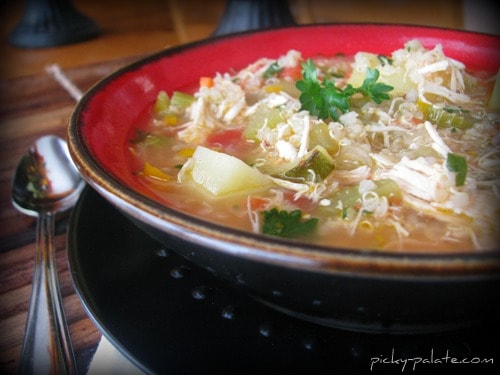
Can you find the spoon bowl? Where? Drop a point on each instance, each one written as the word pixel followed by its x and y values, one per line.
pixel 45 184
pixel 46 179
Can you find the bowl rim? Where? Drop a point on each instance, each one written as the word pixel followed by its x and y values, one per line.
pixel 254 245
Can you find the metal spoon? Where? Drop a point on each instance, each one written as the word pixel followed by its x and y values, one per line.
pixel 46 183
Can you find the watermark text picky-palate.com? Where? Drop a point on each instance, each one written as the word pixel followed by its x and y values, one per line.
pixel 433 358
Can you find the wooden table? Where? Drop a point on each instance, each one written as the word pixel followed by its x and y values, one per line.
pixel 30 107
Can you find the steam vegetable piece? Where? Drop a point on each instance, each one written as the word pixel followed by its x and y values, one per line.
pixel 223 174
pixel 263 116
pixel 181 100
pixel 162 103
pixel 320 136
pixel 315 166
pixel 351 196
pixel 494 102
pixel 447 116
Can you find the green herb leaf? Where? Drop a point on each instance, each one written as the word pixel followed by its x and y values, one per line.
pixel 376 91
pixel 451 109
pixel 147 139
pixel 325 100
pixel 458 164
pixel 273 70
pixel 287 224
pixel 384 60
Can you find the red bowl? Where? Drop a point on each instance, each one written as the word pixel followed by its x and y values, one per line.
pixel 353 289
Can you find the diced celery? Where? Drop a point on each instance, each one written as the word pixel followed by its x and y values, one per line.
pixel 262 117
pixel 351 197
pixel 494 102
pixel 315 166
pixel 450 117
pixel 352 156
pixel 345 198
pixel 445 116
pixel 423 151
pixel 181 100
pixel 320 135
pixel 162 103
pixel 389 189
pixel 223 174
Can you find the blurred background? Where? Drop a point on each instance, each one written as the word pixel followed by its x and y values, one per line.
pixel 138 27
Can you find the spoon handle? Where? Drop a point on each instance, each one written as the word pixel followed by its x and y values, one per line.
pixel 47 344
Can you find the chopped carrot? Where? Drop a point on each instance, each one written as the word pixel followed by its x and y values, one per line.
pixel 206 82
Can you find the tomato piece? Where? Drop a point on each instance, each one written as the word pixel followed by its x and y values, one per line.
pixel 302 203
pixel 292 73
pixel 258 203
pixel 224 138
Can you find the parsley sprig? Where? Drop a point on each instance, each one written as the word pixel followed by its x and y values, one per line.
pixel 287 224
pixel 458 164
pixel 325 100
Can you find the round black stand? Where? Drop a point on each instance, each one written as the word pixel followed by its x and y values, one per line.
pixel 48 23
pixel 243 15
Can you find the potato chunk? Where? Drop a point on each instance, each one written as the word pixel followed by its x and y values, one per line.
pixel 223 174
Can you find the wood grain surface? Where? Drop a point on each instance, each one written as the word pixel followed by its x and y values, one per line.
pixel 30 107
